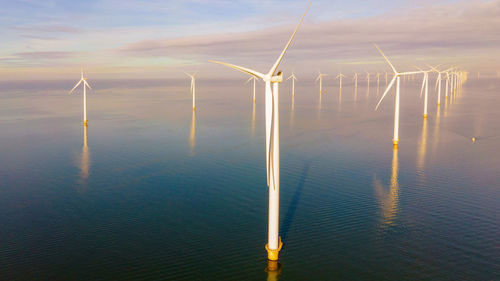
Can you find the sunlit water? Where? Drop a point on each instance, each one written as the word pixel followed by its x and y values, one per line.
pixel 151 190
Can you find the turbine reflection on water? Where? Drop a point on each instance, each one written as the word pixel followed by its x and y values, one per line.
pixel 192 134
pixel 389 201
pixel 84 160
pixel 422 148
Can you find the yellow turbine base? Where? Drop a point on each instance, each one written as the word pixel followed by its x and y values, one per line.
pixel 85 123
pixel 439 103
pixel 446 97
pixel 194 108
pixel 425 115
pixel 395 143
pixel 272 255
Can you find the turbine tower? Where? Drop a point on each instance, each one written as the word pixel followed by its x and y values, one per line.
pixel 425 83
pixel 320 79
pixel 254 82
pixel 272 80
pixel 85 85
pixel 294 78
pixel 438 82
pixel 340 76
pixel 193 88
pixel 397 77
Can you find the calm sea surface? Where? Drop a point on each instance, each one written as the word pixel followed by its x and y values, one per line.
pixel 151 191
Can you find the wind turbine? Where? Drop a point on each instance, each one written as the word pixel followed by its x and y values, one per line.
pixel 85 85
pixel 294 78
pixel 272 142
pixel 397 77
pixel 254 81
pixel 378 80
pixel 438 83
pixel 447 83
pixel 340 76
pixel 193 87
pixel 320 79
pixel 425 83
pixel 355 78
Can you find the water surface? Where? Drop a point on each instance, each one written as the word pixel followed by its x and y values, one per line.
pixel 151 190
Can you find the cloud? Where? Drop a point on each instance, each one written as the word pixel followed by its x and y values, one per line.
pixel 457 31
pixel 450 32
pixel 47 29
pixel 45 55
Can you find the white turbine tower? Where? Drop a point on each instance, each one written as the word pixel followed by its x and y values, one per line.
pixel 294 78
pixel 438 82
pixel 320 79
pixel 397 77
pixel 193 88
pixel 85 85
pixel 271 78
pixel 355 79
pixel 340 76
pixel 254 82
pixel 425 84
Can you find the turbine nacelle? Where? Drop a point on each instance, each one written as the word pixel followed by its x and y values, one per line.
pixel 278 78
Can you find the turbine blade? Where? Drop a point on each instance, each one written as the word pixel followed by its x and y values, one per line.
pixel 411 72
pixel 85 81
pixel 433 68
pixel 386 91
pixel 189 75
pixel 77 84
pixel 418 68
pixel 249 79
pixel 386 59
pixel 423 84
pixel 242 69
pixel 280 58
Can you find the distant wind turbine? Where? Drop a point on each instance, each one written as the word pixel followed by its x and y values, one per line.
pixel 193 88
pixel 254 82
pixel 294 78
pixel 85 85
pixel 355 78
pixel 425 84
pixel 438 83
pixel 272 142
pixel 320 79
pixel 340 76
pixel 397 77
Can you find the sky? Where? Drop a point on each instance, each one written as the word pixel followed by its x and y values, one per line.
pixel 155 39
